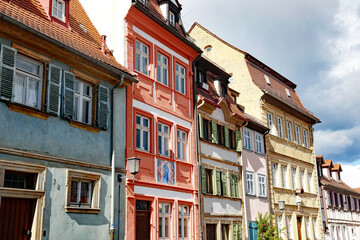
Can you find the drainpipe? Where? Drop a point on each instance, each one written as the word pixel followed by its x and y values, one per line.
pixel 112 159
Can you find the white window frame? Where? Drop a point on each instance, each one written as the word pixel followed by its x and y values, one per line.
pixel 302 179
pixel 171 18
pixel 297 134
pixel 284 176
pixel 247 139
pixel 182 217
pixel 289 227
pixel 289 131
pixel 280 127
pixel 181 145
pixel 143 129
pixel 165 138
pixel 314 227
pixel 141 56
pixel 279 224
pixel 79 183
pixel 162 217
pixel 306 143
pixel 27 78
pixel 262 185
pixel 162 67
pixel 62 11
pixel 293 177
pixel 307 226
pixel 79 98
pixel 310 185
pixel 250 183
pixel 270 121
pixel 274 169
pixel 258 143
pixel 180 78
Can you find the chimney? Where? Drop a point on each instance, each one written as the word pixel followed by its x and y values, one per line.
pixel 103 44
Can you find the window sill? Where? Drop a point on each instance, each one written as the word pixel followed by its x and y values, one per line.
pixel 220 196
pixel 250 195
pixel 69 209
pixel 84 126
pixel 28 111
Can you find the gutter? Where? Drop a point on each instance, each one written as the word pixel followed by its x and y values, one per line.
pixel 66 47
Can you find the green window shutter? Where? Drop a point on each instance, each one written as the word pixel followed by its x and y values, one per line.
pixel 224 181
pixel 226 136
pixel 53 89
pixel 214 135
pixel 232 185
pixel 103 106
pixel 69 95
pixel 234 231
pixel 7 72
pixel 236 186
pixel 201 126
pixel 239 234
pixel 238 141
pixel 218 183
pixel 203 180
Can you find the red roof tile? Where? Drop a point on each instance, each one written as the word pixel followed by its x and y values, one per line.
pixel 338 184
pixel 32 14
pixel 337 167
pixel 328 163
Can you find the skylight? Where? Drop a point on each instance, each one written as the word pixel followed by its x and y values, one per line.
pixel 287 92
pixel 267 79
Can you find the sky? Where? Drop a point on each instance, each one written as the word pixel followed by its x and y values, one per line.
pixel 315 44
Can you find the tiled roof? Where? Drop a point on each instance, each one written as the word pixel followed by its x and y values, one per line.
pixel 328 163
pixel 337 167
pixel 88 41
pixel 338 184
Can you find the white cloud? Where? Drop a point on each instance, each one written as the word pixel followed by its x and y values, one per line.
pixel 350 175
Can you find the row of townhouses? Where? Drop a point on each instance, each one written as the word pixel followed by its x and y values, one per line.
pixel 183 136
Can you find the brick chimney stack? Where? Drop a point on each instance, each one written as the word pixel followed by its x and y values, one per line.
pixel 103 44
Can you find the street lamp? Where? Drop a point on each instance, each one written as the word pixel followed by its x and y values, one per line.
pixel 133 168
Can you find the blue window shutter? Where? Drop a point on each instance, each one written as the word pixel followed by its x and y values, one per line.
pixel 103 106
pixel 7 72
pixel 69 96
pixel 53 89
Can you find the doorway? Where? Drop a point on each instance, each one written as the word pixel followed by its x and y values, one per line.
pixel 16 218
pixel 299 227
pixel 142 220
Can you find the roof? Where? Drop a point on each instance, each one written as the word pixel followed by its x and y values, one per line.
pixel 84 39
pixel 338 185
pixel 337 167
pixel 328 163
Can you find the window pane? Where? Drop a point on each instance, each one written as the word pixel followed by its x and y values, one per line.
pixel 19 89
pixel 138 145
pixel 167 227
pixel 138 120
pixel 145 122
pixel 165 76
pixel 76 108
pixel 145 140
pixel 138 62
pixel 86 112
pixel 160 227
pixel 74 189
pixel 33 93
pixel 166 146
pixel 85 188
pixel 160 144
pixel 28 66
pixel 185 227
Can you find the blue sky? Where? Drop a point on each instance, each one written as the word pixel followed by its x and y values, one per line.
pixel 315 44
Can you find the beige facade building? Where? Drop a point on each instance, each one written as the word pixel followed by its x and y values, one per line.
pixel 271 98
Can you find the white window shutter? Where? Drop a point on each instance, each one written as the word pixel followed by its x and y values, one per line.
pixel 7 72
pixel 53 89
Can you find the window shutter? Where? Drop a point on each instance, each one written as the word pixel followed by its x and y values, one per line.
pixel 236 186
pixel 234 231
pixel 53 89
pixel 224 181
pixel 103 107
pixel 201 126
pixel 69 95
pixel 239 231
pixel 214 132
pixel 7 72
pixel 226 136
pixel 232 185
pixel 203 180
pixel 218 183
pixel 238 141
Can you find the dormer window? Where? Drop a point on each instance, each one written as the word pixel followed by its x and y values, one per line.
pixel 267 79
pixel 58 9
pixel 171 18
pixel 142 1
pixel 223 90
pixel 287 92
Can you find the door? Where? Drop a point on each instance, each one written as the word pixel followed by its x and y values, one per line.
pixel 210 231
pixel 142 220
pixel 299 227
pixel 252 231
pixel 16 218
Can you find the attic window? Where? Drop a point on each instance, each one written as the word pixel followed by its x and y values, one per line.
pixel 208 48
pixel 142 1
pixel 83 28
pixel 287 92
pixel 58 9
pixel 267 79
pixel 171 18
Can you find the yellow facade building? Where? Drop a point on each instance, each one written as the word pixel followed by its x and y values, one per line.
pixel 272 99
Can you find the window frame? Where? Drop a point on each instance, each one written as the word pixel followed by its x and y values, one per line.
pixel 209 178
pixel 250 183
pixel 289 226
pixel 163 136
pixel 280 129
pixel 247 139
pixel 258 143
pixel 297 134
pixel 81 98
pixel 172 19
pixel 262 184
pixel 270 121
pixel 181 220
pixel 185 145
pixel 274 169
pixel 162 217
pixel 142 55
pixel 289 131
pixel 302 179
pixel 310 185
pixel 179 75
pixel 306 140
pixel 160 64
pixel 293 178
pixel 54 2
pixel 142 129
pixel 284 176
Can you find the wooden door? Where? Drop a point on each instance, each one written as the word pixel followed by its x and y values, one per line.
pixel 210 231
pixel 142 220
pixel 16 218
pixel 299 227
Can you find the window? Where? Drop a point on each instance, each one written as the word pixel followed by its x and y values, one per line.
pixel 142 133
pixel 274 174
pixel 22 180
pixel 328 198
pixel 221 183
pixel 234 187
pixel 293 178
pixel 314 221
pixel 225 231
pixel 284 176
pixel 267 79
pixel 289 227
pixel 220 135
pixel 297 134
pixel 302 179
pixel 209 181
pixel 287 92
pixel 83 192
pixel 258 143
pixel 82 102
pixel 163 139
pixel 310 182
pixel 279 224
pixel 307 227
pixel 206 129
pixel 180 79
pixel 181 144
pixel 223 90
pixel 171 18
pixel 247 139
pixel 231 139
pixel 28 82
pixel 305 139
pixel 164 220
pixel 289 131
pixel 250 188
pixel 142 58
pixel 202 78
pixel 280 127
pixel 184 221
pixel 262 185
pixel 58 9
pixel 163 69
pixel 270 121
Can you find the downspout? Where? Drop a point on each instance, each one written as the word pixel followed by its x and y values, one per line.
pixel 243 191
pixel 267 169
pixel 112 159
